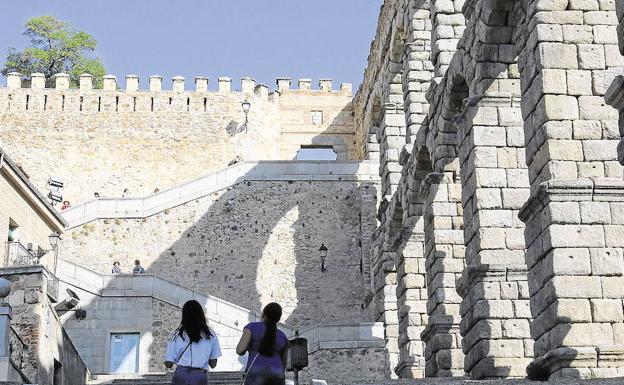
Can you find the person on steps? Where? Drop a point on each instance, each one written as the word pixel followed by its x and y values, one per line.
pixel 116 268
pixel 138 269
pixel 193 347
pixel 267 347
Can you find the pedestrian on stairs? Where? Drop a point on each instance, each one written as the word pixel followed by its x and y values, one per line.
pixel 192 347
pixel 267 347
pixel 138 269
pixel 116 268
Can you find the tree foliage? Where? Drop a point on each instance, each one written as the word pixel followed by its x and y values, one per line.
pixel 55 47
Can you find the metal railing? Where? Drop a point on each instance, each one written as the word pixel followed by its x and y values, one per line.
pixel 18 255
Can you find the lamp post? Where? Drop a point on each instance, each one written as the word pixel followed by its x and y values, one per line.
pixel 54 238
pixel 246 107
pixel 323 254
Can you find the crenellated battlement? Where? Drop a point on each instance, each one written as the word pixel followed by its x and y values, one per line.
pixel 248 85
pixel 152 97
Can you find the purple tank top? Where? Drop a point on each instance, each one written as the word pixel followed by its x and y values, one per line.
pixel 274 361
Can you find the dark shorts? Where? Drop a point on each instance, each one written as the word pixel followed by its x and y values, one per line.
pixel 189 376
pixel 265 376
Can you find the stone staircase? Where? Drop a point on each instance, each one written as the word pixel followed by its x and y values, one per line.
pixel 214 378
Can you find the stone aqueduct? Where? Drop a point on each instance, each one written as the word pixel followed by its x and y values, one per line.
pixel 501 237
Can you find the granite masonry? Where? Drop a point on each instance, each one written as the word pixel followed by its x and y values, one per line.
pixel 499 250
pixel 474 215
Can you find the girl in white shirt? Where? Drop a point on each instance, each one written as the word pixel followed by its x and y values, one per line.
pixel 193 347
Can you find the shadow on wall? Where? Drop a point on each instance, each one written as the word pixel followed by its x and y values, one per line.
pixel 253 243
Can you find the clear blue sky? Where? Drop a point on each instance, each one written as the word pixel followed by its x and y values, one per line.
pixel 263 39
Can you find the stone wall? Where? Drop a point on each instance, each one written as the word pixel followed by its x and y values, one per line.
pixel 250 244
pixel 107 141
pixel 347 366
pixel 503 167
pixel 40 327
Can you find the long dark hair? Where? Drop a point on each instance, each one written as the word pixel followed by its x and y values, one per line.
pixel 271 314
pixel 193 322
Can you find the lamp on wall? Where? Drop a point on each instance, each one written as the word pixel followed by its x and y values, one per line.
pixel 323 254
pixel 246 107
pixel 54 238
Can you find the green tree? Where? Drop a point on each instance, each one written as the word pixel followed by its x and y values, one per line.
pixel 55 47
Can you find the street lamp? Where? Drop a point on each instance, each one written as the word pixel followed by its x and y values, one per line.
pixel 246 107
pixel 323 254
pixel 54 238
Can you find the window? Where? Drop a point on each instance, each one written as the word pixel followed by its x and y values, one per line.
pixel 13 231
pixel 316 153
pixel 317 117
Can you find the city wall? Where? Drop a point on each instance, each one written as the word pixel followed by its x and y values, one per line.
pixel 250 244
pixel 135 141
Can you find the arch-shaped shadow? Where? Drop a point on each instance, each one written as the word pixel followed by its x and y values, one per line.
pixel 256 242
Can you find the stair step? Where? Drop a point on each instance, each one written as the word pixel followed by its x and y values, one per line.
pixel 214 378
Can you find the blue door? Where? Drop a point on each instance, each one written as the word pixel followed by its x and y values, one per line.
pixel 124 353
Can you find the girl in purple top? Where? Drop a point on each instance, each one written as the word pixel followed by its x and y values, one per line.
pixel 267 347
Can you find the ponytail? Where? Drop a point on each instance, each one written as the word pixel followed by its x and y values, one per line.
pixel 271 314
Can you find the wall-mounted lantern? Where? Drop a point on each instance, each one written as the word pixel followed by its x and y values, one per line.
pixel 246 107
pixel 53 239
pixel 323 254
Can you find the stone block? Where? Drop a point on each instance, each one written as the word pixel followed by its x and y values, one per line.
pixel 614 235
pixel 557 55
pixel 574 236
pixel 579 34
pixel 613 287
pixel 489 136
pixel 579 82
pixel 554 81
pixel 509 290
pixel 564 212
pixel 595 212
pixel 587 129
pixel 515 198
pixel 516 328
pixel 522 308
pixel 558 107
pixel 576 286
pixel 488 177
pixel 591 56
pixel 605 34
pixel 607 310
pixel 490 198
pixel 607 262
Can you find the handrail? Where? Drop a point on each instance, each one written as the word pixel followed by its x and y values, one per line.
pixel 17 254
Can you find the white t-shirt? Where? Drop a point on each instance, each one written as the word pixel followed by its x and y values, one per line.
pixel 196 355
